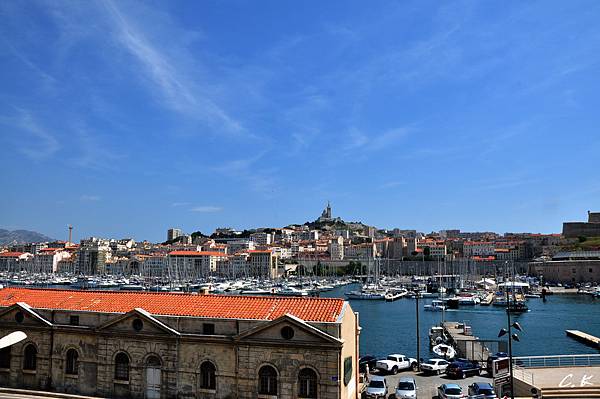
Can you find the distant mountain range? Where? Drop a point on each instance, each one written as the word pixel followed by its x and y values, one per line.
pixel 21 236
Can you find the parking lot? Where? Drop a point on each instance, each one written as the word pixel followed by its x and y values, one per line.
pixel 427 384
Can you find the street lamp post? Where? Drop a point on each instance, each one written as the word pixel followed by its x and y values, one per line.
pixel 511 337
pixel 418 335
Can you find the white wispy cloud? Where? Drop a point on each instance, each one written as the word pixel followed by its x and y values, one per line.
pixel 179 204
pixel 259 178
pixel 206 209
pixel 93 153
pixel 34 141
pixel 361 141
pixel 90 198
pixel 178 89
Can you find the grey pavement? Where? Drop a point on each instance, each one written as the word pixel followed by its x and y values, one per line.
pixel 428 384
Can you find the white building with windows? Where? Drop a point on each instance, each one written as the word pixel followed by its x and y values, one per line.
pixel 478 248
pixel 190 265
pixel 261 238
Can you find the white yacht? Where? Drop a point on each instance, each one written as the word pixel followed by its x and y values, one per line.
pixel 435 306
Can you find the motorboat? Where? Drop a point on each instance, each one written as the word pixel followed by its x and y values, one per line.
pixel 445 351
pixel 517 307
pixel 468 300
pixel 366 295
pixel 290 291
pixel 436 335
pixel 435 306
pixel 392 295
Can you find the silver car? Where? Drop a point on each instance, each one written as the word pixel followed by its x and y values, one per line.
pixel 406 389
pixel 377 388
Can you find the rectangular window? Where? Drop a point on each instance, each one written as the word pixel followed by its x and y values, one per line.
pixel 347 370
pixel 74 320
pixel 208 329
pixel 591 270
pixel 5 358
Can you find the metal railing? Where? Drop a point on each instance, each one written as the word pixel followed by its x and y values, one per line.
pixel 523 375
pixel 557 361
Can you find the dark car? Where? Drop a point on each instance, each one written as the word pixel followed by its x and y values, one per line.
pixel 461 368
pixel 483 390
pixel 490 360
pixel 363 361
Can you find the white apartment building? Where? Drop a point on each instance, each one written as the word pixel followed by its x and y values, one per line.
pixel 507 253
pixel 188 265
pixel 437 249
pixel 240 246
pixel 263 264
pixel 282 252
pixel 360 251
pixel 15 261
pixel 46 261
pixel 261 238
pixel 310 235
pixel 478 248
pixel 67 265
pixel 174 233
pixel 153 265
pixel 336 248
pixel 93 254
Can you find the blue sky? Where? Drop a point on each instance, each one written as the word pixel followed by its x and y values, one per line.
pixel 126 118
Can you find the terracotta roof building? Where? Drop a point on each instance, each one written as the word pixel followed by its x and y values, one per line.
pixel 159 345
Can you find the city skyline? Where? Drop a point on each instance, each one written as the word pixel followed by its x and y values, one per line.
pixel 175 231
pixel 127 118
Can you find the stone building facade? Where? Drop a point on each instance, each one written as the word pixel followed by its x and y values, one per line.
pixel 152 345
pixel 591 228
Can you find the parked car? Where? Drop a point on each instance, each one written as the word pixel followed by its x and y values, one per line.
pixel 394 363
pixel 377 388
pixel 407 388
pixel 450 391
pixel 482 390
pixel 461 368
pixel 365 361
pixel 434 366
pixel 490 360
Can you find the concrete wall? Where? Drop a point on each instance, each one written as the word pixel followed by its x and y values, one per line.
pixel 576 229
pixel 568 271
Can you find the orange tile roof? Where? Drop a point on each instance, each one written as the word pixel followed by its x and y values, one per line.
pixel 210 306
pixel 10 254
pixel 197 253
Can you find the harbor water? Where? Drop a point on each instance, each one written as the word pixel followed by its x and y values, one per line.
pixel 390 327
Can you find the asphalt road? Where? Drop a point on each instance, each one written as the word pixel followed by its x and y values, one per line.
pixel 428 384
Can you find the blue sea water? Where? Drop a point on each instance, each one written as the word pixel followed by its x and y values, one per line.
pixel 390 327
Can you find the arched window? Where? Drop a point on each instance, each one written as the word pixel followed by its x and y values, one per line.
pixel 153 361
pixel 207 376
pixel 122 367
pixel 72 362
pixel 5 358
pixel 267 381
pixel 30 361
pixel 307 383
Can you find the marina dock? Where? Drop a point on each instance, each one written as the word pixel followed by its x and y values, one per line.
pixel 467 345
pixel 586 338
